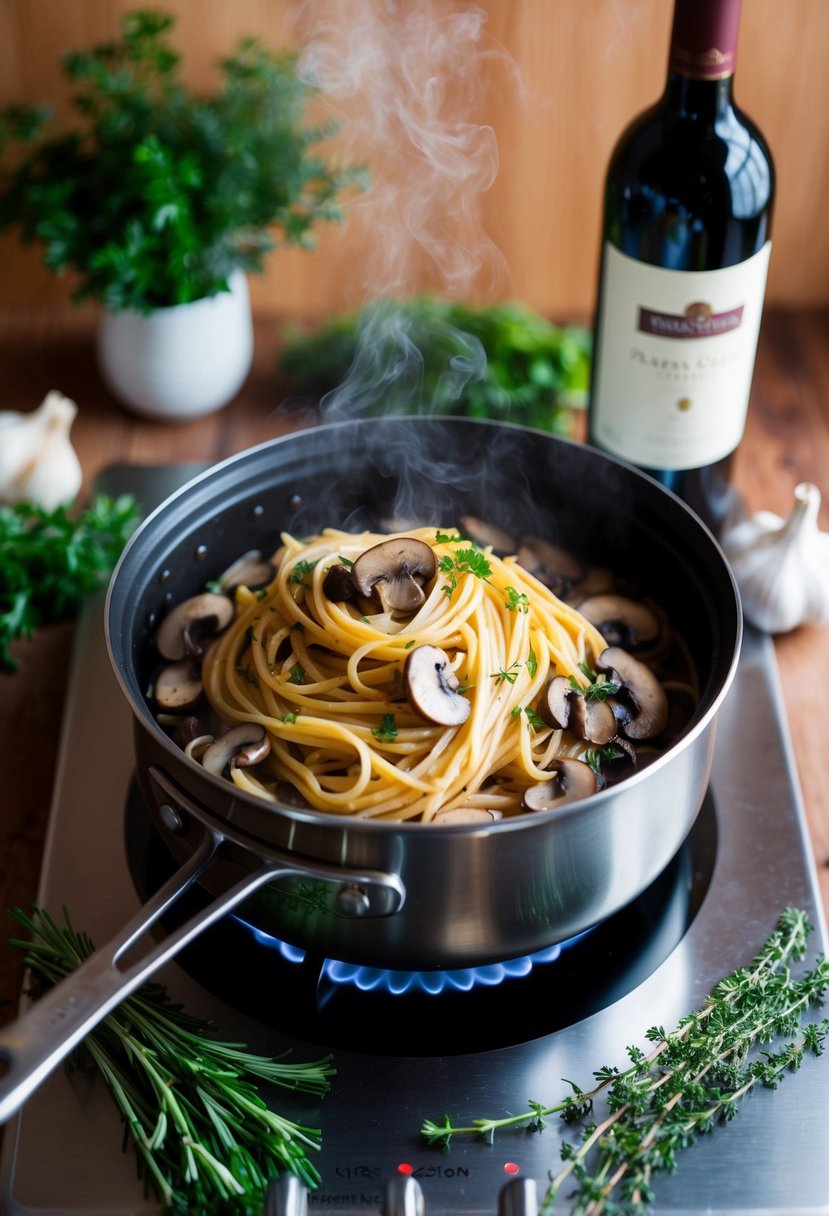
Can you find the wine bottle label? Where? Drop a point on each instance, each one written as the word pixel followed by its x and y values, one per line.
pixel 674 359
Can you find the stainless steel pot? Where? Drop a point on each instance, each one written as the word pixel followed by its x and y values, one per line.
pixel 388 894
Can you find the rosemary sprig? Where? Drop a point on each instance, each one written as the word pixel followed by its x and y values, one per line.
pixel 691 1080
pixel 205 1139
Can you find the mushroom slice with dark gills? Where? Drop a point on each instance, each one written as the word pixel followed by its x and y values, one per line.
pixel 178 686
pixel 239 747
pixel 431 687
pixel 189 625
pixel 394 572
pixel 566 708
pixel 572 780
pixel 621 621
pixel 639 690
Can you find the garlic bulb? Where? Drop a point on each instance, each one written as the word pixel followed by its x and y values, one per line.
pixel 37 461
pixel 782 565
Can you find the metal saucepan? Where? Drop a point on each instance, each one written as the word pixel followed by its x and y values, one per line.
pixel 395 894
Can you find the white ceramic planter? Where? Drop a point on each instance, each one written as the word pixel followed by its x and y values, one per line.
pixel 179 362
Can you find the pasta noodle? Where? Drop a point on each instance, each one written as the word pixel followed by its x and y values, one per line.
pixel 325 680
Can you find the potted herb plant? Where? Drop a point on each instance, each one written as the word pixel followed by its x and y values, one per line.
pixel 161 201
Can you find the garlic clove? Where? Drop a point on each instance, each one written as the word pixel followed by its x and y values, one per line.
pixel 38 463
pixel 781 566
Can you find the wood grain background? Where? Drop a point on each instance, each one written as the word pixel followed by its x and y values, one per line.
pixel 555 80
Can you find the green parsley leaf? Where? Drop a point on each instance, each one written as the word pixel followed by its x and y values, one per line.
pixel 51 560
pixel 517 600
pixel 386 732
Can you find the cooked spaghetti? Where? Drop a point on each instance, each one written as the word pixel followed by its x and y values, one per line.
pixel 325 678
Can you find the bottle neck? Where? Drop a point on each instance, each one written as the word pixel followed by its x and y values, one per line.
pixel 701 100
pixel 704 39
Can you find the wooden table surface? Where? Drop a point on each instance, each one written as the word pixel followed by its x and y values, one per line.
pixel 787 441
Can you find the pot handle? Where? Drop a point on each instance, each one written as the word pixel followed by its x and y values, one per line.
pixel 32 1046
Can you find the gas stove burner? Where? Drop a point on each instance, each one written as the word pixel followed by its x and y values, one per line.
pixel 400 983
pixel 346 1005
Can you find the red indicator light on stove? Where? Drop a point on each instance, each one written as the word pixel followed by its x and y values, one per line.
pixel 405 1168
pixel 511 1167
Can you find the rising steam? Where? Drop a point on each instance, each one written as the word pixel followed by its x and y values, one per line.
pixel 404 79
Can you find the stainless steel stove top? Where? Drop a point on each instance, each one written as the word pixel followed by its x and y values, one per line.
pixel 62 1153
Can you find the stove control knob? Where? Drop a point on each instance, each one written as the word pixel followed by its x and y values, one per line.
pixel 403 1197
pixel 353 901
pixel 286 1196
pixel 518 1197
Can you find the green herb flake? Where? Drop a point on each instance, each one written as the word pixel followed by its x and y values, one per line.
pixel 517 601
pixel 296 675
pixel 298 575
pixel 532 663
pixel 597 757
pixel 509 674
pixel 290 719
pixel 386 732
pixel 246 672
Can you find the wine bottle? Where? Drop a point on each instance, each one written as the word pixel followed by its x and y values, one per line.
pixel 685 249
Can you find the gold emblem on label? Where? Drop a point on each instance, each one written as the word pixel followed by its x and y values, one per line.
pixel 684 403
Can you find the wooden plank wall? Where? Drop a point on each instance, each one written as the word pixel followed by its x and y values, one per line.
pixel 555 80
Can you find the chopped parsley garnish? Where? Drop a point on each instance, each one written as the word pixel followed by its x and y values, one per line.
pixel 386 732
pixel 300 570
pixel 598 756
pixel 465 561
pixel 509 674
pixel 247 673
pixel 297 674
pixel 517 601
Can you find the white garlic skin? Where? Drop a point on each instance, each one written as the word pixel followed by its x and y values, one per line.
pixel 38 463
pixel 781 566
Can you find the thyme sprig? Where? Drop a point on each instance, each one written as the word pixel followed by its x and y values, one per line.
pixel 691 1080
pixel 206 1140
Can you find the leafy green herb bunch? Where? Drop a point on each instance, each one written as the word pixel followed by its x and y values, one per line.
pixel 154 194
pixel 428 355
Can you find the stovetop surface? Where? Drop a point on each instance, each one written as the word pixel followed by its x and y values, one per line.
pixel 62 1154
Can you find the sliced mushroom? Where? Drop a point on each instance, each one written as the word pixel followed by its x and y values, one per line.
pixel 597 580
pixel 574 779
pixel 187 626
pixel 251 570
pixel 188 729
pixel 564 707
pixel 338 584
pixel 488 536
pixel 178 686
pixel 465 815
pixel 621 621
pixel 431 687
pixel 553 566
pixel 641 691
pixel 395 571
pixel 239 747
